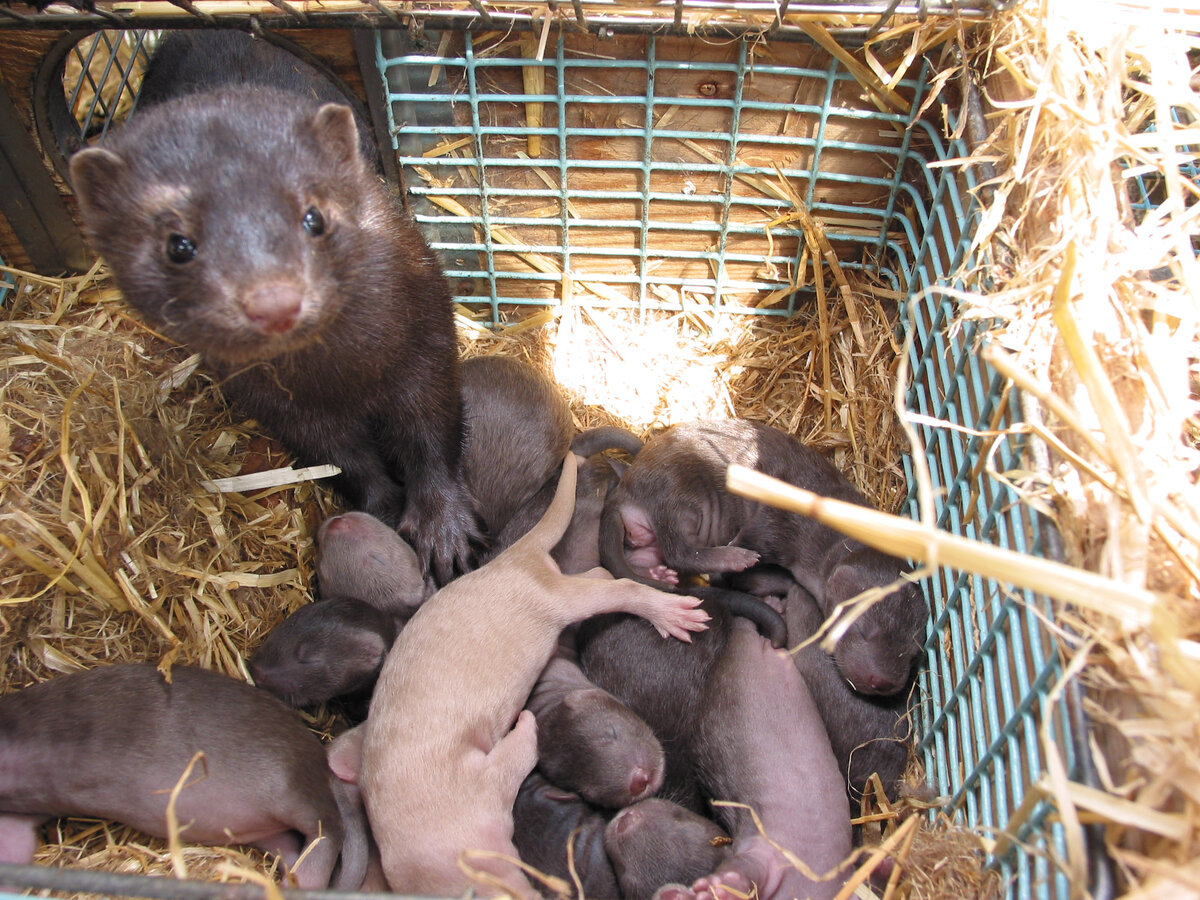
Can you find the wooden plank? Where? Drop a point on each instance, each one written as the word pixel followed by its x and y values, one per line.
pixel 697 101
pixel 40 232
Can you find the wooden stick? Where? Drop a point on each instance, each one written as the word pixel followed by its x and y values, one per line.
pixel 534 78
pixel 1132 606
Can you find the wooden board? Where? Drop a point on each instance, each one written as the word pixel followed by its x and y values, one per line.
pixel 694 207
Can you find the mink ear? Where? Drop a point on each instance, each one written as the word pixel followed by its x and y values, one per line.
pixel 844 582
pixel 344 755
pixel 97 176
pixel 369 645
pixel 336 130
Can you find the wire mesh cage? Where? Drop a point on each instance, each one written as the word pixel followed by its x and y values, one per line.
pixel 1146 187
pixel 629 167
pixel 681 186
pixel 992 660
pixel 100 79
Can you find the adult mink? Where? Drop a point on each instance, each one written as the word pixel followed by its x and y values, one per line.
pixel 241 215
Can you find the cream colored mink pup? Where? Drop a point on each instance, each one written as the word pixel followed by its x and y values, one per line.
pixel 446 744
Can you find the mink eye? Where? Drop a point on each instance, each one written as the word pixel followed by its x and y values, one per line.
pixel 180 248
pixel 314 222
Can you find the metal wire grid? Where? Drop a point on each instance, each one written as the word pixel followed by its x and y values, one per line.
pixel 109 66
pixel 472 253
pixel 991 658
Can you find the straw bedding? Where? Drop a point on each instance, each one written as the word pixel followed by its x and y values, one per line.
pixel 1102 307
pixel 114 551
pixel 110 549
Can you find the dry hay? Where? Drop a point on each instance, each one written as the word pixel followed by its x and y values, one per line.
pixel 106 436
pixel 945 861
pixel 94 845
pixel 1099 314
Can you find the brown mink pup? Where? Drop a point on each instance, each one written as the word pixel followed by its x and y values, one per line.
pixel 242 216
